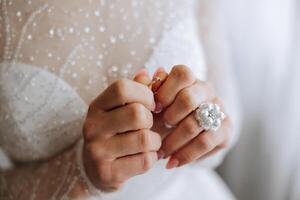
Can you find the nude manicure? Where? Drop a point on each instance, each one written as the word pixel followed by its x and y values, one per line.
pixel 172 163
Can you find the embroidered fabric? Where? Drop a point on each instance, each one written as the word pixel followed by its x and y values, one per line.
pixel 56 56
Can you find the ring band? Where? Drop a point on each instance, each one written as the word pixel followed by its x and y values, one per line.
pixel 209 116
pixel 155 80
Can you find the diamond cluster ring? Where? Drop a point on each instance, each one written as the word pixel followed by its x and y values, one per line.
pixel 209 116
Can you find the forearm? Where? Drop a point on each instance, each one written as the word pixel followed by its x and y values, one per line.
pixel 57 178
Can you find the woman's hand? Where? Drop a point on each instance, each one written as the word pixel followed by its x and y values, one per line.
pixel 179 96
pixel 118 141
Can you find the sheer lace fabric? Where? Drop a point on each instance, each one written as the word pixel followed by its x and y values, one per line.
pixel 79 48
pixel 59 55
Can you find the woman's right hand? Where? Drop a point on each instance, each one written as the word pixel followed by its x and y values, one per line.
pixel 118 142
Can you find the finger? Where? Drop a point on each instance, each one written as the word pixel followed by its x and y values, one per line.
pixel 187 129
pixel 93 127
pixel 160 75
pixel 122 92
pixel 186 101
pixel 199 146
pixel 142 77
pixel 131 117
pixel 179 78
pixel 211 153
pixel 126 167
pixel 130 143
pixel 184 133
pixel 224 144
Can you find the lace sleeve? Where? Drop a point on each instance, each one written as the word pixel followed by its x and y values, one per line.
pixel 220 72
pixel 38 122
pixel 61 177
pixel 29 140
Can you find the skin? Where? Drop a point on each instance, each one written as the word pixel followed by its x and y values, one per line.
pixel 118 141
pixel 132 124
pixel 181 94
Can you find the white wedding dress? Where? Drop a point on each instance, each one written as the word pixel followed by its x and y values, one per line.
pixel 265 38
pixel 56 56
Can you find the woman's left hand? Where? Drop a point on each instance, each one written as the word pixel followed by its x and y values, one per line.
pixel 179 96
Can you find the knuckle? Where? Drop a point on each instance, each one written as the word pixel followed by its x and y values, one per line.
pixel 119 88
pixel 95 151
pixel 140 116
pixel 145 140
pixel 205 142
pixel 190 130
pixel 147 162
pixel 183 73
pixel 137 112
pixel 186 99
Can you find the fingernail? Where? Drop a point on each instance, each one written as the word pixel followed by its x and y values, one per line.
pixel 160 69
pixel 168 126
pixel 173 162
pixel 142 72
pixel 160 154
pixel 158 108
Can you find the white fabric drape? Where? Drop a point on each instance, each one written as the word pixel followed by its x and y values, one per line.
pixel 265 38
